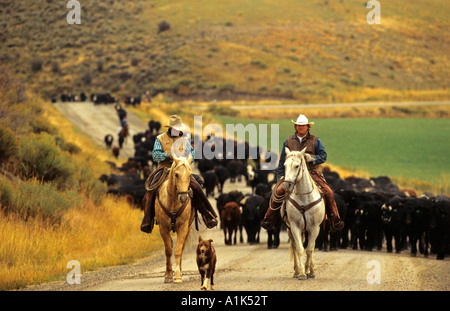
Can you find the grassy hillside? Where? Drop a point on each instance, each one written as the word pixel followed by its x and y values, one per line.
pixel 53 208
pixel 414 152
pixel 309 51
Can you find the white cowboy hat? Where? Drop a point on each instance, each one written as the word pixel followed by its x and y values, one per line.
pixel 302 120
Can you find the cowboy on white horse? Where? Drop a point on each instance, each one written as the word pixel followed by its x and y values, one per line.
pixel 314 156
pixel 162 153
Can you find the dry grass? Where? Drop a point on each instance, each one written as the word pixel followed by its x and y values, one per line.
pixel 96 231
pixel 96 236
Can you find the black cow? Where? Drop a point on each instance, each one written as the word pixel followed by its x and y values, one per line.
pixel 256 176
pixel 132 100
pixel 104 98
pixel 416 217
pixel 211 181
pixel 336 239
pixel 154 126
pixel 109 140
pixel 252 210
pixel 439 228
pixel 236 168
pixel 392 223
pixel 222 175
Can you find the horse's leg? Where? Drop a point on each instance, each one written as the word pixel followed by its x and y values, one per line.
pixel 309 266
pixel 182 233
pixel 168 244
pixel 297 250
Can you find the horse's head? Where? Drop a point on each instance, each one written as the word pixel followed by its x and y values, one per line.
pixel 293 166
pixel 181 172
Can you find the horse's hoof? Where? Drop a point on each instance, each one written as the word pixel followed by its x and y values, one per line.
pixel 302 277
pixel 178 280
pixel 168 280
pixel 203 288
pixel 296 275
pixel 311 275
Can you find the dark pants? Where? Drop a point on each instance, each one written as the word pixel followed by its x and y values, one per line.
pixel 199 202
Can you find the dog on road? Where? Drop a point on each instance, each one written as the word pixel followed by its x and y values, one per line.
pixel 206 262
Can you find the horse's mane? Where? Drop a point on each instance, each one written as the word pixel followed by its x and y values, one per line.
pixel 182 161
pixel 304 166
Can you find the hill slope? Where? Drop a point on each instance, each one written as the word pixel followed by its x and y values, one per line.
pixel 311 51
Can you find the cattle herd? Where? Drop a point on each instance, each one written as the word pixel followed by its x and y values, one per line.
pixel 375 211
pixel 98 98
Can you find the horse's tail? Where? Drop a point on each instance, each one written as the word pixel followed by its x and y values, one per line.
pixel 191 241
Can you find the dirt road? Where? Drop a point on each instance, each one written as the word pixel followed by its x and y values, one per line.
pixel 244 267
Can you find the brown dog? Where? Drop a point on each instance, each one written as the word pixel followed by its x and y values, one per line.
pixel 206 262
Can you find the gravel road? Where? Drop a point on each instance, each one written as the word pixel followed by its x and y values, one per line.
pixel 244 267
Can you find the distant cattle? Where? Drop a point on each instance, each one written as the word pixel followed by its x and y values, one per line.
pixel 108 140
pixel 211 181
pixel 237 169
pixel 132 100
pixel 103 98
pixel 222 175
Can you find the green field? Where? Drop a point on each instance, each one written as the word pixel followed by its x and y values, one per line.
pixel 411 149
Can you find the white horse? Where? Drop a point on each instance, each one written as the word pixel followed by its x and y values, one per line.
pixel 305 211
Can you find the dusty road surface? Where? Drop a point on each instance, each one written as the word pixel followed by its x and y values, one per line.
pixel 244 267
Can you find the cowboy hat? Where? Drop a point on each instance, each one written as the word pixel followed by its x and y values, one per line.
pixel 175 122
pixel 302 120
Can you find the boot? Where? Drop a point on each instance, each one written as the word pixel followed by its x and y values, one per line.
pixel 336 224
pixel 272 216
pixel 201 203
pixel 149 212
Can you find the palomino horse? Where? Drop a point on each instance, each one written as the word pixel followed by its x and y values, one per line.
pixel 173 211
pixel 305 210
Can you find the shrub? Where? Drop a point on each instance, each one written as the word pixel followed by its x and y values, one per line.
pixel 42 159
pixel 30 202
pixel 8 144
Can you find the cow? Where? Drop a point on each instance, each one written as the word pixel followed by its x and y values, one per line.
pixel 222 175
pixel 132 100
pixel 256 176
pixel 211 181
pixel 336 239
pixel 236 168
pixel 252 214
pixel 108 140
pixel 154 126
pixel 231 217
pixel 416 215
pixel 439 228
pixel 104 98
pixel 392 223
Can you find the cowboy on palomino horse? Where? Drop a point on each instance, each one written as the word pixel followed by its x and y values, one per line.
pixel 314 156
pixel 163 154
